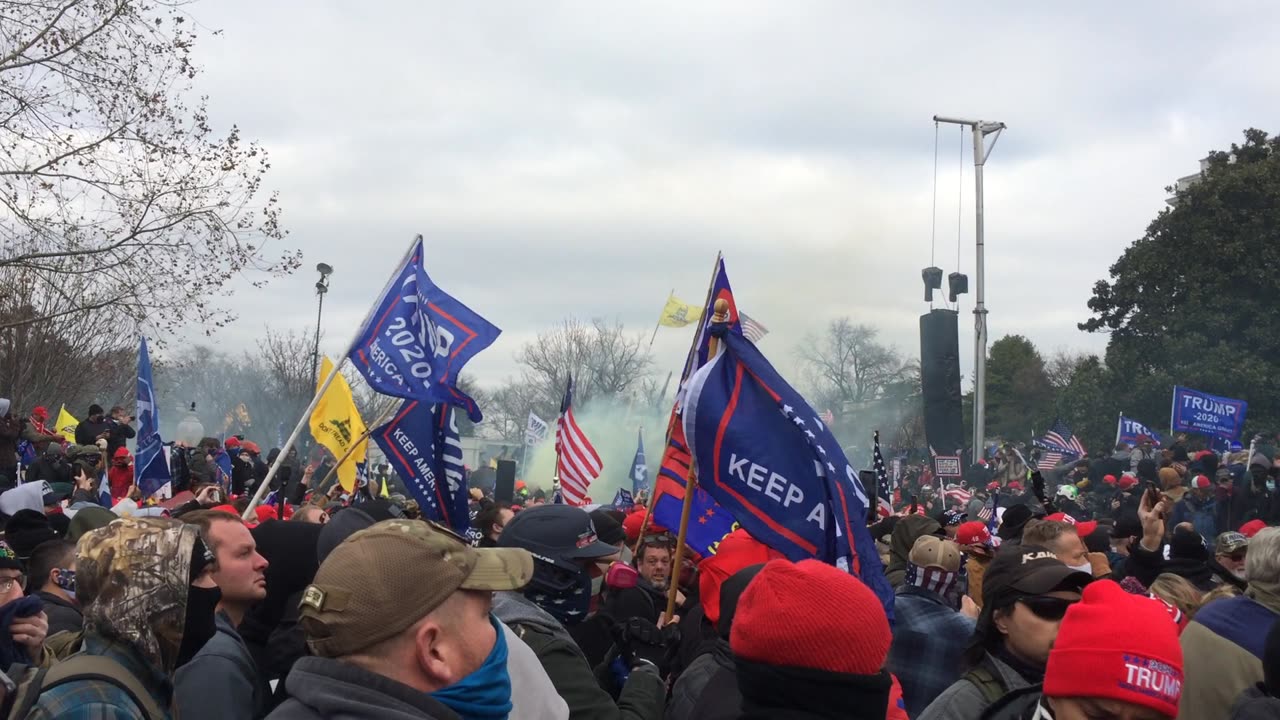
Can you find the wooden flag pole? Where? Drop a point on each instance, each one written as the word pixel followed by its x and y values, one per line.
pixel 691 484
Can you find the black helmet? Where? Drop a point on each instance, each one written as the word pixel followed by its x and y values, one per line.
pixel 557 536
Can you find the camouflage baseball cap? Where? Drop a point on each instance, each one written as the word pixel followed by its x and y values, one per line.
pixel 385 578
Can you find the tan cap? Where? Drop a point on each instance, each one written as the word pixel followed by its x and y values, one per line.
pixel 932 551
pixel 387 577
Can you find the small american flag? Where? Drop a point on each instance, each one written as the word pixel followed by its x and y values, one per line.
pixel 883 489
pixel 751 328
pixel 958 494
pixel 1050 460
pixel 1061 439
pixel 577 461
pixel 827 416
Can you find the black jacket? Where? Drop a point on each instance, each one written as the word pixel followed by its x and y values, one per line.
pixel 692 685
pixel 87 431
pixel 63 616
pixel 51 471
pixel 787 693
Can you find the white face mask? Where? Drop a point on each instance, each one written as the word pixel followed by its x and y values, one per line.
pixel 1085 568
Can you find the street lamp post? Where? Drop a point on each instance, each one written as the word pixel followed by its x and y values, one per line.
pixel 322 287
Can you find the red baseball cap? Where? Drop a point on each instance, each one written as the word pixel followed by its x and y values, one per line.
pixel 993 486
pixel 974 532
pixel 1015 485
pixel 1109 479
pixel 1127 481
pixel 1082 528
pixel 1251 528
pixel 1201 482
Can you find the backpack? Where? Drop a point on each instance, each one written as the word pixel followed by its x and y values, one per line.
pixel 32 681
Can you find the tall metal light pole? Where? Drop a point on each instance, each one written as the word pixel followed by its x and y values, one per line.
pixel 322 287
pixel 981 129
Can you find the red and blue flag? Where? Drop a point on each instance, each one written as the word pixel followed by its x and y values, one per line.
pixel 764 454
pixel 422 445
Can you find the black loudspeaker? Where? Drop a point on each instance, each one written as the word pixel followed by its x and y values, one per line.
pixel 940 380
pixel 504 489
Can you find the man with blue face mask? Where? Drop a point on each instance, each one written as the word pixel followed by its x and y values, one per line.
pixel 398 619
pixel 51 575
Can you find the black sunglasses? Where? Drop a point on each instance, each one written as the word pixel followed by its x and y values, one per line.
pixel 1047 607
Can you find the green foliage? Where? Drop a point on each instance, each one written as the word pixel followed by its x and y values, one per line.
pixel 1193 302
pixel 1019 395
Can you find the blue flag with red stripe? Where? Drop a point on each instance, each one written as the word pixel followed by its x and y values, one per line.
pixel 765 456
pixel 422 445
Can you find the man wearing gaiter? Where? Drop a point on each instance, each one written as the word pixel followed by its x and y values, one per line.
pixel 399 625
pixel 148 597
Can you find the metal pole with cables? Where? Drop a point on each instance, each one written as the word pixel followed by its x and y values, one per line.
pixel 981 129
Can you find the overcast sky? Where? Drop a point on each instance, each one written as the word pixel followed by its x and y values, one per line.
pixel 584 158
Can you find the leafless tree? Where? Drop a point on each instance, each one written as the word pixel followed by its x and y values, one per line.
pixel 75 360
pixel 604 362
pixel 109 170
pixel 847 366
pixel 607 366
pixel 1062 365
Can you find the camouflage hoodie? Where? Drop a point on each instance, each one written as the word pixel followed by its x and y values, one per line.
pixel 132 578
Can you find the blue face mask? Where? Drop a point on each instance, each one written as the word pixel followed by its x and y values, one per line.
pixel 1271 485
pixel 486 693
pixel 67 581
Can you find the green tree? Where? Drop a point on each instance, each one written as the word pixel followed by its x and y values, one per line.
pixel 1019 394
pixel 1086 402
pixel 1192 302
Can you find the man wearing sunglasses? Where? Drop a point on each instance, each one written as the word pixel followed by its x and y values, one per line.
pixel 1025 594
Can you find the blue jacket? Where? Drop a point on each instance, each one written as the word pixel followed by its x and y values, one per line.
pixel 221 681
pixel 1202 515
pixel 929 637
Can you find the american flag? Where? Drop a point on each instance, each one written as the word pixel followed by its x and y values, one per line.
pixel 883 489
pixel 751 328
pixel 1049 460
pixel 958 494
pixel 827 416
pixel 1060 439
pixel 577 463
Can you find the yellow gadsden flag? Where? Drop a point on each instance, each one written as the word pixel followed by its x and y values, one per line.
pixel 66 424
pixel 336 424
pixel 678 313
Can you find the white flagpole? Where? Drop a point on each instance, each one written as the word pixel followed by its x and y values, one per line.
pixel 1119 422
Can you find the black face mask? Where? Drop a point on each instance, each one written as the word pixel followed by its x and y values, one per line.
pixel 199 625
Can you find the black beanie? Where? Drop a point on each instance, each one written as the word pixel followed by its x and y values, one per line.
pixel 608 529
pixel 27 529
pixel 1187 544
pixel 730 591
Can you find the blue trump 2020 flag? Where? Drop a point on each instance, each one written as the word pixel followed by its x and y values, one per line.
pixel 421 443
pixel 1131 431
pixel 765 456
pixel 639 469
pixel 1200 412
pixel 418 338
pixel 150 471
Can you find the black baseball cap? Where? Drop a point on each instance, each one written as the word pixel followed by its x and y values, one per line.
pixel 1023 570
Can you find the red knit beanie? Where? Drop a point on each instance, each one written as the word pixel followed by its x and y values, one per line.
pixel 811 615
pixel 1251 528
pixel 1097 654
pixel 738 550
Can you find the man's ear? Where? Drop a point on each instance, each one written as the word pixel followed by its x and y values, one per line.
pixel 430 654
pixel 1000 619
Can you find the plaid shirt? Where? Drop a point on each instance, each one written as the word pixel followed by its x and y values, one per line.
pixel 98 700
pixel 929 637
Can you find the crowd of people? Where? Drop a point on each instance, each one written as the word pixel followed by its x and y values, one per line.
pixel 1148 591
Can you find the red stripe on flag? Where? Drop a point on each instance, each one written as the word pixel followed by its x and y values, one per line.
pixel 579 463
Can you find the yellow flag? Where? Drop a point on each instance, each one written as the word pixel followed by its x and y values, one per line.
pixel 336 424
pixel 385 493
pixel 678 313
pixel 66 424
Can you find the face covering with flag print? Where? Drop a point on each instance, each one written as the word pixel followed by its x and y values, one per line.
pixel 935 579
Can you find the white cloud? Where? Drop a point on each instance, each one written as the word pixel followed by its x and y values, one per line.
pixel 586 157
